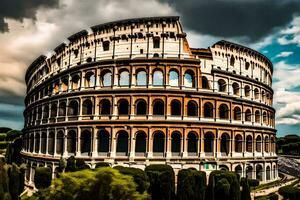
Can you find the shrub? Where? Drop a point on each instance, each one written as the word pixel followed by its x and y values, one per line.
pixel 74 164
pixel 162 181
pixel 245 195
pixel 191 184
pixel 3 144
pixel 253 182
pixel 216 178
pixel 2 136
pixel 12 134
pixel 289 192
pixel 139 177
pixel 42 177
pixel 102 183
pixel 4 129
pixel 273 196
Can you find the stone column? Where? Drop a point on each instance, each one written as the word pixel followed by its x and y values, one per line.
pixel 184 144
pixel 65 153
pixel 78 149
pixel 168 144
pixel 47 141
pixel 132 144
pixel 113 144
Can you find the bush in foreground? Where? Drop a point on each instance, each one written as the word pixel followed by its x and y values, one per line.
pixel 289 192
pixel 191 184
pixel 100 184
pixel 162 181
pixel 42 177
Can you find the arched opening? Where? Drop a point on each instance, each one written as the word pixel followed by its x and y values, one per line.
pixel 105 107
pixel 258 143
pixel 31 142
pixel 237 113
pixel 223 168
pixel 43 142
pixel 123 107
pixel 124 78
pixel 156 42
pixel 158 143
pixel 268 173
pixel 140 143
pixel 238 143
pixel 75 82
pixel 223 111
pixel 225 141
pixel 73 108
pixel 238 170
pixel 274 172
pixel 256 93
pixel 236 89
pixel 90 79
pixel 103 141
pixel 221 85
pixel 192 144
pixel 158 107
pixel 265 117
pixel 51 143
pixel 174 78
pixel 62 109
pixel 85 141
pixel 106 79
pixel 205 83
pixel 259 172
pixel 122 143
pixel 189 79
pixel 263 95
pixel 266 144
pixel 64 85
pixel 37 143
pixel 87 107
pixel 141 78
pixel 192 109
pixel 60 143
pixel 176 143
pixel 249 172
pixel 53 110
pixel 46 112
pixel 141 107
pixel 175 108
pixel 249 143
pixel 248 115
pixel 273 144
pixel 158 78
pixel 71 142
pixel 257 116
pixel 232 61
pixel 208 110
pixel 209 143
pixel 247 90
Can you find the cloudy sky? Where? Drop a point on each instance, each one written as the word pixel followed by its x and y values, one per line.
pixel 33 27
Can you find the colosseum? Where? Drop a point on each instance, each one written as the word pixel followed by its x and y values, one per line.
pixel 133 93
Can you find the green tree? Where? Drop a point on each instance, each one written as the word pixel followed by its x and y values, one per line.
pixel 245 194
pixel 162 181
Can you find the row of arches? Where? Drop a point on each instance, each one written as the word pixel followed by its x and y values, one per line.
pixel 157 107
pixel 158 143
pixel 258 172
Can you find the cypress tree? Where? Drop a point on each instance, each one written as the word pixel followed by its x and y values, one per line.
pixel 245 195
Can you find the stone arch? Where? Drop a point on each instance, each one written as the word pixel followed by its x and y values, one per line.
pixel 249 143
pixel 249 172
pixel 256 93
pixel 268 173
pixel 236 88
pixel 257 116
pixel 225 142
pixel 238 143
pixel 176 142
pixel 221 85
pixel 247 91
pixel 175 107
pixel 105 107
pixel 53 110
pixel 86 142
pixel 73 108
pixel 87 107
pixel 141 77
pixel 209 142
pixel 122 143
pixel 140 142
pixel 37 143
pixel 60 142
pixel 258 143
pixel 141 107
pixel 259 172
pixel 123 107
pixel 103 141
pixel 62 109
pixel 75 82
pixel 237 114
pixel 90 79
pixel 189 78
pixel 174 78
pixel 208 110
pixel 124 79
pixel 159 142
pixel 43 142
pixel 106 78
pixel 51 143
pixel 238 169
pixel 205 83
pixel 158 107
pixel 71 142
pixel 223 111
pixel 192 143
pixel 192 108
pixel 158 78
pixel 266 143
pixel 46 112
pixel 248 115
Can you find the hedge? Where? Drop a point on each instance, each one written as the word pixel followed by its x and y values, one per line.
pixel 162 181
pixel 223 185
pixel 290 192
pixel 139 177
pixel 2 136
pixel 3 144
pixel 191 184
pixel 42 177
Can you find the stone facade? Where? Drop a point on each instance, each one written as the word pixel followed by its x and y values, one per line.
pixel 134 93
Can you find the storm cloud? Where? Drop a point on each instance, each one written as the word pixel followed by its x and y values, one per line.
pixel 20 9
pixel 252 20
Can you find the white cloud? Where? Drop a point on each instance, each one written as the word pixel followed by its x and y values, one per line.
pixel 291 35
pixel 284 54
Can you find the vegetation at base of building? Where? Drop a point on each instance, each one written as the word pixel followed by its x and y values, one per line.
pixel 223 185
pixel 102 183
pixel 139 177
pixel 11 181
pixel 13 152
pixel 42 177
pixel 288 145
pixel 102 164
pixel 191 185
pixel 162 181
pixel 245 194
pixel 290 192
pixel 75 164
pixel 7 135
pixel 272 196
